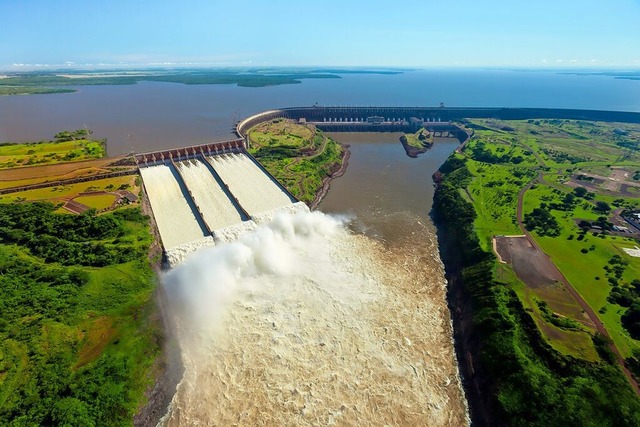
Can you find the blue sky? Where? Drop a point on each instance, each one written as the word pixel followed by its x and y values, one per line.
pixel 543 33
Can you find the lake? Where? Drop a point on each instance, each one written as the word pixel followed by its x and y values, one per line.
pixel 150 115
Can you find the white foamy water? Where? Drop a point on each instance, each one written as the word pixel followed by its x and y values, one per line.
pixel 301 322
pixel 291 208
pixel 176 221
pixel 216 208
pixel 233 232
pixel 177 254
pixel 255 191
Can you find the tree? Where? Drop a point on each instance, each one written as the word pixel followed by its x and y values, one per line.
pixel 580 191
pixel 71 412
pixel 631 320
pixel 603 206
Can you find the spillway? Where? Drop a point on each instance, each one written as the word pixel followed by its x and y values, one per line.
pixel 177 221
pixel 256 191
pixel 217 209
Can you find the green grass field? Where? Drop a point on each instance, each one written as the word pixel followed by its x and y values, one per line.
pixel 502 162
pixel 585 271
pixel 98 201
pixel 49 152
pixel 298 156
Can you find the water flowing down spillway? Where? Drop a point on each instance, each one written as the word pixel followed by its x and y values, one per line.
pixel 177 221
pixel 219 197
pixel 256 192
pixel 216 207
pixel 302 322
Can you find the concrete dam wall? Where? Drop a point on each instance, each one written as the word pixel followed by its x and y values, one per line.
pixel 200 198
pixel 400 118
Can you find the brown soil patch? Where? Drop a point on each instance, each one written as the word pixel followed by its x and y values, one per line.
pixel 53 172
pixel 75 207
pixel 630 190
pixel 542 277
pixel 99 333
pixel 529 264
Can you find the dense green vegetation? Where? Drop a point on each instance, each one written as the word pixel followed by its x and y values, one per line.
pixel 299 157
pixel 496 181
pixel 38 82
pixel 527 382
pixel 559 210
pixel 76 341
pixel 86 239
pixel 30 90
pixel 67 146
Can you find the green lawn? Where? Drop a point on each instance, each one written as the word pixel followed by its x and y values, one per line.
pixel 581 269
pixel 99 201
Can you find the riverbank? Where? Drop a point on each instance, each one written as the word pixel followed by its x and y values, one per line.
pixel 300 157
pixel 324 189
pixel 513 374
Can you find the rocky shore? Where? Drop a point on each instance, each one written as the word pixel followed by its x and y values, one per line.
pixel 324 189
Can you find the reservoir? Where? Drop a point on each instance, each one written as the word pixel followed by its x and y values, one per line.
pixel 149 116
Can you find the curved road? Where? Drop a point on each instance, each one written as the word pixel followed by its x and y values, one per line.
pixel 586 307
pixel 572 291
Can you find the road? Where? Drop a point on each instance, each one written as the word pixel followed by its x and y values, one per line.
pixel 585 307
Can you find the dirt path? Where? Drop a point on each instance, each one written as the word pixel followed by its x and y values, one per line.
pixel 583 304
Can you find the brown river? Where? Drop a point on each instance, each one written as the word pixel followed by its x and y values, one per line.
pixel 336 317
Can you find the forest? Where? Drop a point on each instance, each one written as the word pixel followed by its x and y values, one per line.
pixel 78 339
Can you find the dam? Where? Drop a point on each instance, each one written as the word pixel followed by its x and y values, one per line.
pixel 216 191
pixel 209 193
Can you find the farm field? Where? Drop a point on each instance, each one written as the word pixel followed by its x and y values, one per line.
pixel 62 193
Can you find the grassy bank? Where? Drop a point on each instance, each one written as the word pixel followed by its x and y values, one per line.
pixel 30 90
pixel 525 381
pixel 534 366
pixel 66 147
pixel 302 158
